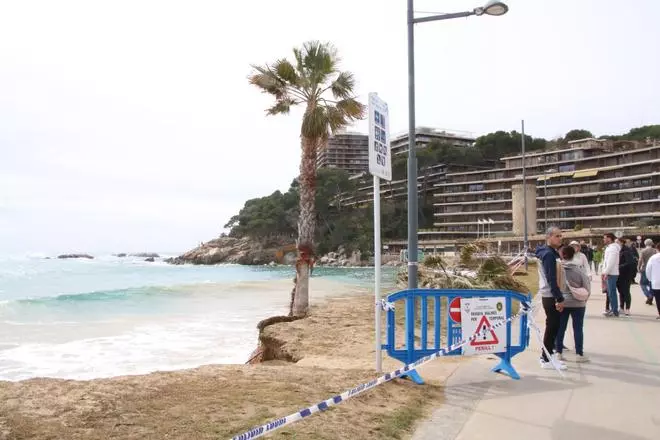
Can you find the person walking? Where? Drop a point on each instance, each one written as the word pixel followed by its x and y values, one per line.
pixel 633 247
pixel 579 258
pixel 598 259
pixel 627 272
pixel 610 274
pixel 574 305
pixel 588 252
pixel 653 275
pixel 551 295
pixel 644 257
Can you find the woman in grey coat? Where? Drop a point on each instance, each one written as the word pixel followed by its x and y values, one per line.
pixel 573 308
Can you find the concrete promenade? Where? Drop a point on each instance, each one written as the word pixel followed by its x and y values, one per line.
pixel 614 397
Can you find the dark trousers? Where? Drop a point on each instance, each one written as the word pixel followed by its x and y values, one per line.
pixel 623 286
pixel 656 293
pixel 552 317
pixel 577 316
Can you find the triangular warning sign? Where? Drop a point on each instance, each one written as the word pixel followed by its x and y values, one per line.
pixel 485 334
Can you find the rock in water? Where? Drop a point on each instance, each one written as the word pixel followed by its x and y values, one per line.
pixel 144 255
pixel 66 256
pixel 150 259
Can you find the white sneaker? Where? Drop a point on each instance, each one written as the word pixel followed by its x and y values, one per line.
pixel 582 359
pixel 548 365
pixel 607 313
pixel 559 357
pixel 626 312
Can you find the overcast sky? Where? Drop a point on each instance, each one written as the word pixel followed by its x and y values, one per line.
pixel 129 125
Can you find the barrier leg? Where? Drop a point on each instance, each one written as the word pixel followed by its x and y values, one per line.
pixel 414 376
pixel 505 367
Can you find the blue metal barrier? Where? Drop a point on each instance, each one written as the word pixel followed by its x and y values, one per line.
pixel 409 353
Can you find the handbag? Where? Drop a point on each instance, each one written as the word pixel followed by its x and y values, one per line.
pixel 579 293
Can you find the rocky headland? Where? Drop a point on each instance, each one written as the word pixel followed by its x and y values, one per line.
pixel 244 250
pixel 248 251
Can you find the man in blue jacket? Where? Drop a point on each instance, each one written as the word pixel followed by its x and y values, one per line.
pixel 551 296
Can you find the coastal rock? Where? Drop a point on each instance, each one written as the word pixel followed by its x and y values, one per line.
pixel 122 255
pixel 235 250
pixel 340 259
pixel 150 259
pixel 144 255
pixel 67 256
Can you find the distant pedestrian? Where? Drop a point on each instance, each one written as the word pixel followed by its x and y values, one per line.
pixel 598 259
pixel 551 295
pixel 653 275
pixel 627 272
pixel 574 305
pixel 633 247
pixel 588 252
pixel 611 274
pixel 579 258
pixel 644 257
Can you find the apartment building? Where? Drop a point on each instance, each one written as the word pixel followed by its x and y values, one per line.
pixel 347 151
pixel 427 179
pixel 587 184
pixel 425 135
pixel 397 189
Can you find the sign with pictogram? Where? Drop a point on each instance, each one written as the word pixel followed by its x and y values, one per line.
pixel 478 316
pixel 485 335
pixel 455 310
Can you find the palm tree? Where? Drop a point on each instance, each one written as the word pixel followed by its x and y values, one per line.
pixel 312 81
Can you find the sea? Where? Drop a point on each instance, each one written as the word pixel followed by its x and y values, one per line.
pixel 111 316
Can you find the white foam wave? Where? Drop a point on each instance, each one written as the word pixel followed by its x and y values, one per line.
pixel 148 348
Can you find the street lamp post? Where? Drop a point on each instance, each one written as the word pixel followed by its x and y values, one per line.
pixel 545 198
pixel 494 8
pixel 525 242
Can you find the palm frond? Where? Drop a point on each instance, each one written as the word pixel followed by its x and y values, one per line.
pixel 267 81
pixel 285 70
pixel 352 108
pixel 282 106
pixel 336 119
pixel 342 86
pixel 319 61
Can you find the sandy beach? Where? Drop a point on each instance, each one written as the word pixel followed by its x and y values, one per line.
pixel 334 351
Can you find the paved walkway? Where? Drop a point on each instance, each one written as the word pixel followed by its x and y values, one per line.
pixel 614 397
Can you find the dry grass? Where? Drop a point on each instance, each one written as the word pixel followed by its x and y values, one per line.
pixel 209 403
pixel 335 348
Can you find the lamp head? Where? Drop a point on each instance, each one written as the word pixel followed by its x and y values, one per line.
pixel 494 8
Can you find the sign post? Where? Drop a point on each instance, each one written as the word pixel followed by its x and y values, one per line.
pixel 380 166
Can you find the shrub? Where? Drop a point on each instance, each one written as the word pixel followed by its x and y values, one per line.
pixel 492 267
pixel 466 254
pixel 434 261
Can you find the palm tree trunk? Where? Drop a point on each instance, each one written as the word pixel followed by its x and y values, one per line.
pixel 306 225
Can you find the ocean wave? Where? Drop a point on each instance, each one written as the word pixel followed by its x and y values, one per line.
pixel 99 295
pixel 204 286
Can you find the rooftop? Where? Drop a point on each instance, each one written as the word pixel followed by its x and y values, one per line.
pixel 458 134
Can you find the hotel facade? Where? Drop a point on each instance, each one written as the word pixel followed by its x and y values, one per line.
pixel 346 151
pixel 587 185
